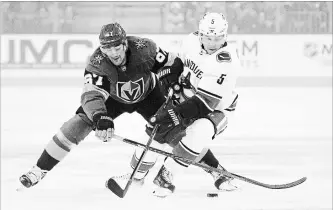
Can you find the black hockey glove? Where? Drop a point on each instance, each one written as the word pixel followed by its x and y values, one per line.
pixel 168 76
pixel 183 113
pixel 166 117
pixel 104 127
pixel 171 128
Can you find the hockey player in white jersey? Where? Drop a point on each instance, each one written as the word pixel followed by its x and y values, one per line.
pixel 208 97
pixel 205 100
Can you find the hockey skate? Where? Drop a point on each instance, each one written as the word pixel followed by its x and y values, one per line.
pixel 222 182
pixel 163 182
pixel 33 176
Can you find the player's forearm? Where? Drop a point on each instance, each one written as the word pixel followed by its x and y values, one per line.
pixel 93 103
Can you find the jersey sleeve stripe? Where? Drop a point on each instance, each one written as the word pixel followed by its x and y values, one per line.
pixel 90 87
pixel 232 107
pixel 203 101
pixel 235 100
pixel 209 94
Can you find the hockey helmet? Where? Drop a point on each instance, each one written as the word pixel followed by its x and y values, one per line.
pixel 112 35
pixel 213 24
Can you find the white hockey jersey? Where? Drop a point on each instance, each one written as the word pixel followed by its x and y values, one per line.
pixel 211 77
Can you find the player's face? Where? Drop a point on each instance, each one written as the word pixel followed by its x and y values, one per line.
pixel 212 43
pixel 115 53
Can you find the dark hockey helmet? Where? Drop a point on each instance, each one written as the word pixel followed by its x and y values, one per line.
pixel 112 35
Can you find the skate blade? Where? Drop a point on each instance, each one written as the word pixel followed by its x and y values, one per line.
pixel 161 193
pixel 20 187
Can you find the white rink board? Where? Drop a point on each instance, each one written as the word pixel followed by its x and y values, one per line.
pixel 279 135
pixel 260 55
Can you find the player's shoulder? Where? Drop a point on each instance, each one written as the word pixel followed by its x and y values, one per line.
pixel 96 62
pixel 191 39
pixel 228 53
pixel 141 45
pixel 190 43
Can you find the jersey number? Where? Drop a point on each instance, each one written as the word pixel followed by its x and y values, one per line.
pixel 221 79
pixel 89 79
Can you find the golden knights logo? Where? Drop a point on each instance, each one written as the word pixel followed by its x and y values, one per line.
pixel 130 91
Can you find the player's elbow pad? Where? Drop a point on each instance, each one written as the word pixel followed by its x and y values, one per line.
pixel 177 67
pixel 192 108
pixel 92 104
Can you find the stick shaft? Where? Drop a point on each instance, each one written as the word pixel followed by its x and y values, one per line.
pixel 204 166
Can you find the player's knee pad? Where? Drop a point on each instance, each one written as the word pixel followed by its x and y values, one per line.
pixel 219 120
pixel 199 134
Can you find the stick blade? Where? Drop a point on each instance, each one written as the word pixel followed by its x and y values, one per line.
pixel 112 185
pixel 293 184
pixel 287 185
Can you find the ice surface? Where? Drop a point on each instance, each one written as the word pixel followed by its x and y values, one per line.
pixel 278 136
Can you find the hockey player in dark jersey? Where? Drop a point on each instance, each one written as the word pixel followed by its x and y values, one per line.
pixel 205 103
pixel 120 77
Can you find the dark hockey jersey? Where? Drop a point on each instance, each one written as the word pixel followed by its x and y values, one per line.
pixel 129 84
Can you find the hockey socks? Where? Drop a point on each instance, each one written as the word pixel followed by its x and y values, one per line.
pixel 205 156
pixel 144 167
pixel 182 150
pixel 46 161
pixel 54 152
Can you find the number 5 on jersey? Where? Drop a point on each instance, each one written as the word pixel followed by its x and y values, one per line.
pixel 221 79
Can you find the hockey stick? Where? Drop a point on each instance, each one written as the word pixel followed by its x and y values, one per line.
pixel 112 184
pixel 204 166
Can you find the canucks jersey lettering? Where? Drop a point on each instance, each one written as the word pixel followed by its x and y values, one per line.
pixel 193 67
pixel 211 78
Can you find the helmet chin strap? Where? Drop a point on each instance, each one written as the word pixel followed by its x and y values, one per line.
pixel 123 63
pixel 203 50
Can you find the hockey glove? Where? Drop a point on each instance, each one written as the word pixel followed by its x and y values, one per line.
pixel 168 76
pixel 104 127
pixel 166 117
pixel 171 127
pixel 182 113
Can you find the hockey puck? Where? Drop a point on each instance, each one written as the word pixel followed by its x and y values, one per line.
pixel 212 195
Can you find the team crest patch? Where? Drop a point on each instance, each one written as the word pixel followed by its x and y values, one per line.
pixel 140 44
pixel 223 57
pixel 130 91
pixel 97 59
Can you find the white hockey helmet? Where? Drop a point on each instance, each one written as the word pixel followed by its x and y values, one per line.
pixel 213 29
pixel 213 24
